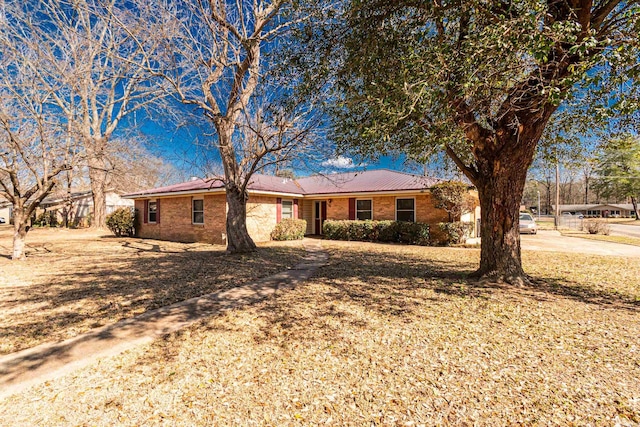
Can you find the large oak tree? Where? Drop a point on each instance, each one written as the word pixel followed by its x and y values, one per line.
pixel 481 80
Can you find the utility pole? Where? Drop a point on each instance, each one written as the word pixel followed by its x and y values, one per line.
pixel 557 211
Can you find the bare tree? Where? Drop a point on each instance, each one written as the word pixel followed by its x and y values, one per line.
pixel 35 145
pixel 89 66
pixel 213 57
pixel 133 167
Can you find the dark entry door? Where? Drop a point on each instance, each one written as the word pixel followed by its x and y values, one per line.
pixel 320 214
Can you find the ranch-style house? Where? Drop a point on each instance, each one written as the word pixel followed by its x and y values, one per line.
pixel 195 211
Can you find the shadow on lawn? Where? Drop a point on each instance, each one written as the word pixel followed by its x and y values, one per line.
pixel 108 287
pixel 385 281
pixel 390 283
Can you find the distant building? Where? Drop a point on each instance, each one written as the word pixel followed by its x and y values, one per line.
pixel 74 208
pixel 606 210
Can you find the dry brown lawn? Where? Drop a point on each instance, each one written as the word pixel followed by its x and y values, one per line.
pixel 75 280
pixel 383 335
pixel 626 240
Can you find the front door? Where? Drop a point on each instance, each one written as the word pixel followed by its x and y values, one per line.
pixel 320 214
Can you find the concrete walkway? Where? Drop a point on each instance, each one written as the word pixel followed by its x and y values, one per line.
pixel 52 360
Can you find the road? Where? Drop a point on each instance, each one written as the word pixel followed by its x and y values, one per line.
pixel 553 241
pixel 625 230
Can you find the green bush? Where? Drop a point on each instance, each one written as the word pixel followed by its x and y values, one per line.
pixel 289 229
pixel 120 222
pixel 456 232
pixel 377 231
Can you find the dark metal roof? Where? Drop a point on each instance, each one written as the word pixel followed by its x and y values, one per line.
pixel 381 180
pixel 365 182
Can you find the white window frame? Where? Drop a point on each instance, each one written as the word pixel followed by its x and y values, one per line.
pixel 282 202
pixel 193 211
pixel 414 207
pixel 357 210
pixel 155 202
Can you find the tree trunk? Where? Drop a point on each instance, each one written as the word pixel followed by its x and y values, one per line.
pixel 634 202
pixel 502 162
pixel 20 229
pixel 98 178
pixel 238 239
pixel 500 227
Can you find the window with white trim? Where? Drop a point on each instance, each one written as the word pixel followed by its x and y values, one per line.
pixel 364 209
pixel 287 209
pixel 406 210
pixel 197 209
pixel 153 211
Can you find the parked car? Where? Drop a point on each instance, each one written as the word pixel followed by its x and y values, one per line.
pixel 528 224
pixel 2 220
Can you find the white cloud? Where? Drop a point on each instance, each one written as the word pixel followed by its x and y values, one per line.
pixel 340 162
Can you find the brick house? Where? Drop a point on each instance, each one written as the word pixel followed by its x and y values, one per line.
pixel 195 211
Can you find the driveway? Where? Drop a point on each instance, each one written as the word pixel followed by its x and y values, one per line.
pixel 553 241
pixel 624 230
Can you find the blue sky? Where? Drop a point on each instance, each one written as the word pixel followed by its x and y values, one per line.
pixel 177 144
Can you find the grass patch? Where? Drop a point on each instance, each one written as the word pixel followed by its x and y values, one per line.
pixel 383 335
pixel 627 240
pixel 75 280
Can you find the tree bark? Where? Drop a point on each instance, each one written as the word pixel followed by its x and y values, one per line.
pixel 500 227
pixel 19 233
pixel 238 239
pixel 502 161
pixel 634 202
pixel 98 179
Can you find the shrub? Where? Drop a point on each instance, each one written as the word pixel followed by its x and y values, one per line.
pixel 595 227
pixel 413 233
pixel 456 233
pixel 378 231
pixel 289 229
pixel 46 219
pixel 120 222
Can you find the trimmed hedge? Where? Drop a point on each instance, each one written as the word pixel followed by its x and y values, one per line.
pixel 413 233
pixel 456 232
pixel 289 229
pixel 121 222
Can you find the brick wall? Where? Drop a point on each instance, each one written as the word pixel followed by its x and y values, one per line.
pixel 175 219
pixel 175 216
pixel 384 208
pixel 338 209
pixel 176 222
pixel 261 217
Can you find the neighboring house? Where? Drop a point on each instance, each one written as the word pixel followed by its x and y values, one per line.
pixel 196 210
pixel 609 210
pixel 76 206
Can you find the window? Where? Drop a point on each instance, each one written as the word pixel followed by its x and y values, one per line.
pixel 198 211
pixel 526 217
pixel 287 209
pixel 405 210
pixel 363 209
pixel 153 211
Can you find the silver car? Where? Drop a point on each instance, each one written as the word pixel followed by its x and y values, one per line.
pixel 528 224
